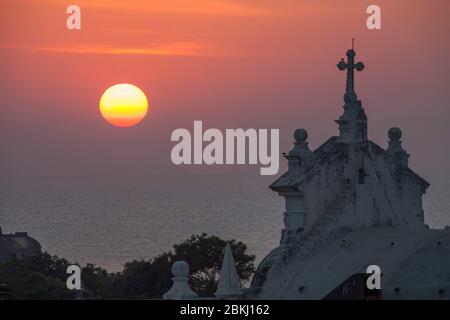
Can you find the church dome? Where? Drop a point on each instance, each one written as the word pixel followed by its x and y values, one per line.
pixel 414 263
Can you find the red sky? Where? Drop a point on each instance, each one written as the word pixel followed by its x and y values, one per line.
pixel 230 63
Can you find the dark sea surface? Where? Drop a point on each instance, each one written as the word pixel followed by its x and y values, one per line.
pixel 109 221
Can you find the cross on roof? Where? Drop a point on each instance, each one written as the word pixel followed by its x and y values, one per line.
pixel 350 66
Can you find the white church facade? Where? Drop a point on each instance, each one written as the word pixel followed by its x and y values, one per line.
pixel 350 204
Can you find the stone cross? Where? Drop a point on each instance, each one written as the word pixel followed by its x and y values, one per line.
pixel 350 66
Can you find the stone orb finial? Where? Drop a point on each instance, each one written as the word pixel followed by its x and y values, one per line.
pixel 300 135
pixel 395 134
pixel 180 269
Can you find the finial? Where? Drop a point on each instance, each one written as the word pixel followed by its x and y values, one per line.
pixel 300 158
pixel 180 289
pixel 300 145
pixel 229 285
pixel 350 66
pixel 395 150
pixel 300 135
pixel 180 269
pixel 395 134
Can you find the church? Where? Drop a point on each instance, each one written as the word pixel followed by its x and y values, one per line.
pixel 351 204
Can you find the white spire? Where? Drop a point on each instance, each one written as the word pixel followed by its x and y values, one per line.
pixel 229 283
pixel 180 289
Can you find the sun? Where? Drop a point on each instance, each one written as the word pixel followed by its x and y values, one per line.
pixel 123 105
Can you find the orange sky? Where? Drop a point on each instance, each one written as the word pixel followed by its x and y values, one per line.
pixel 230 63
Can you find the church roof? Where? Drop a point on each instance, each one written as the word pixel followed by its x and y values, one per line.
pixel 327 152
pixel 333 151
pixel 414 264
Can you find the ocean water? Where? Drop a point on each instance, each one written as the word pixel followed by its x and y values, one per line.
pixel 109 221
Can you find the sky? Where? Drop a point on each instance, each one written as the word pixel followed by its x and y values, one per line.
pixel 232 64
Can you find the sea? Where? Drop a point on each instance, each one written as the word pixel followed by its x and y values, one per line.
pixel 109 221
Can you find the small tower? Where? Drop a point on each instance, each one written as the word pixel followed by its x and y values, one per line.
pixel 180 289
pixel 229 286
pixel 395 150
pixel 300 157
pixel 300 161
pixel 353 123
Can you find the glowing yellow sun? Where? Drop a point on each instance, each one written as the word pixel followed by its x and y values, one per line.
pixel 123 105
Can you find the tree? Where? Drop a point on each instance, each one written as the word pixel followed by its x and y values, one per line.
pixel 203 253
pixel 40 276
pixel 43 276
pixel 97 283
pixel 145 279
